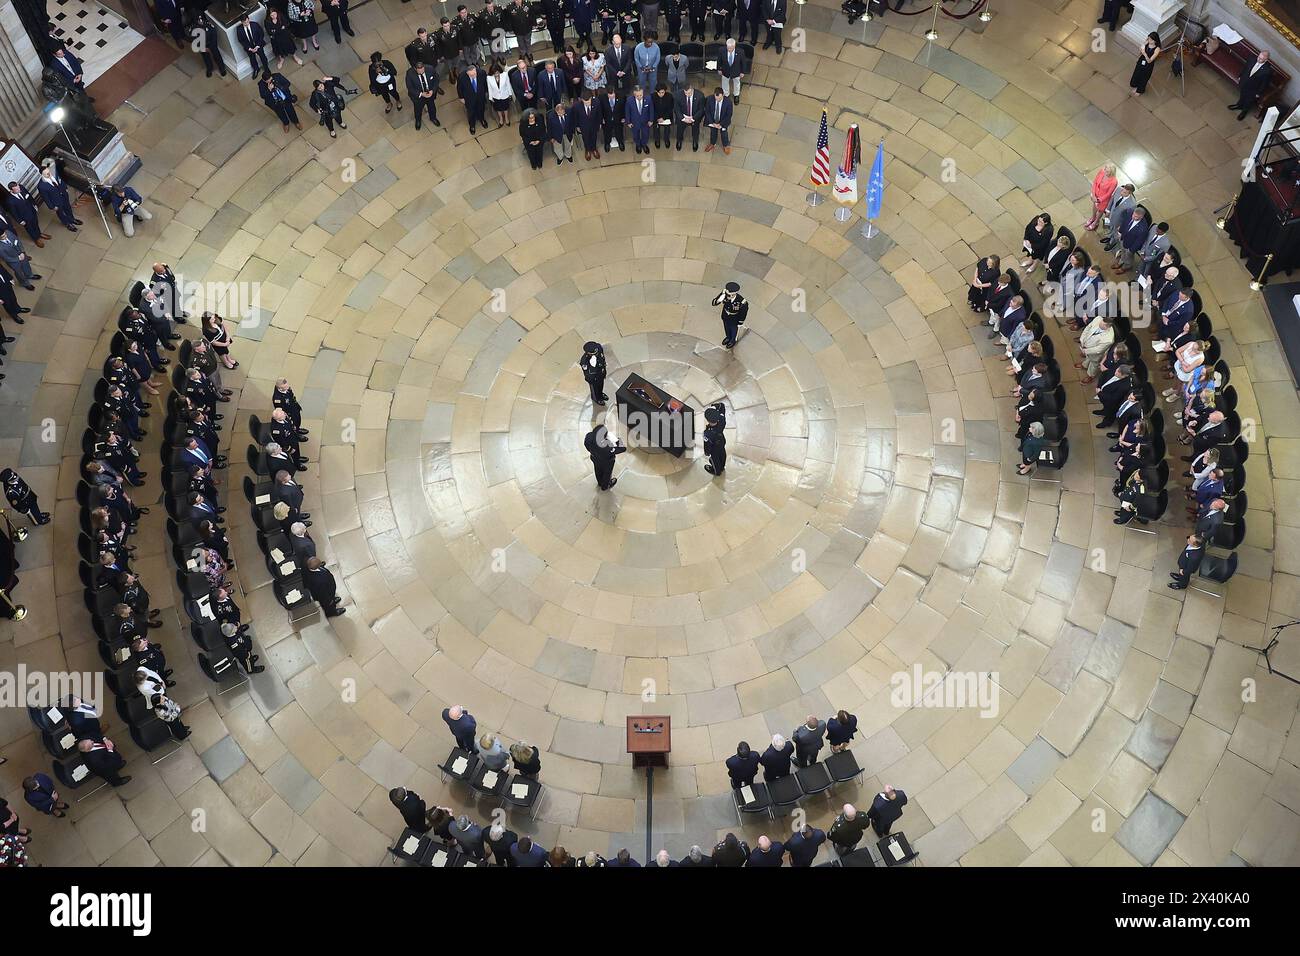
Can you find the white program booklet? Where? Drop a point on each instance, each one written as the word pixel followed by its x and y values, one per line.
pixel 458 765
pixel 80 772
pixel 288 568
pixel 490 778
pixel 747 794
pixel 895 849
pixel 277 555
pixel 519 791
pixel 411 845
pixel 293 596
pixel 440 858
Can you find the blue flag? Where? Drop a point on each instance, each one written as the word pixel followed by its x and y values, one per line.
pixel 876 183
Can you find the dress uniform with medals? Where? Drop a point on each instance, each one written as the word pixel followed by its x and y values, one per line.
pixel 734 311
pixel 23 500
pixel 593 370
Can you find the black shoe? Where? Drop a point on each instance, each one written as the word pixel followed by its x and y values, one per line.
pixel 709 469
pixel 1177 587
pixel 77 221
pixel 122 781
pixel 1112 435
pixel 417 126
pixel 36 276
pixel 1125 519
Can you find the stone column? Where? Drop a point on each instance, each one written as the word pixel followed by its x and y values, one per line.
pixel 20 77
pixel 1152 16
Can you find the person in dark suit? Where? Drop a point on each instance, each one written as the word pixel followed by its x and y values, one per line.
pixel 462 725
pixel 639 114
pixel 717 117
pixel 527 854
pixel 468 836
pixel 289 491
pixel 9 301
pixel 82 718
pixel 804 845
pixel 749 13
pixel 54 193
pixel 499 840
pixel 471 89
pixel 715 443
pixel 21 497
pixel 734 310
pixel 613 107
pixel 1112 394
pixel 723 11
pixel 551 84
pixel 304 548
pixel 103 760
pixel 619 66
pixel 885 810
pixel 623 860
pixel 1189 562
pixel 278 97
pixel 559 128
pixel 422 88
pixel 809 738
pixel 337 11
pixel 742 766
pixel 731 851
pixel 252 39
pixel 776 759
pixel 413 810
pixel 697 12
pixel 211 51
pixel 774 12
pixel 172 16
pixel 1110 13
pixel 1254 80
pixel 1211 520
pixel 21 205
pixel 689 110
pixel 768 853
pixel 840 730
pixel 592 364
pixel 696 858
pixel 523 80
pixel 69 68
pixel 603 452
pixel 324 591
pixel 588 117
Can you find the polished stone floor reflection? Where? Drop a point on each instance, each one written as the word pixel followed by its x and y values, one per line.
pixel 870 518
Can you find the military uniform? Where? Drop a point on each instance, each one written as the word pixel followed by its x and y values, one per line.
pixel 592 363
pixel 602 453
pixel 734 311
pixel 23 500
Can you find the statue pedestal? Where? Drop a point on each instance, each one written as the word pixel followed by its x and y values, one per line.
pixel 107 161
pixel 1153 16
pixel 226 17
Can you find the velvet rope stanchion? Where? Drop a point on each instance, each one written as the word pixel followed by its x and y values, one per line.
pixel 975 8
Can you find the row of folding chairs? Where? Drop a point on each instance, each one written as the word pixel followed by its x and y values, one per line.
pixel 772 797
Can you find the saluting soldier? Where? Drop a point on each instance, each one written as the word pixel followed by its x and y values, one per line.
pixel 23 500
pixel 593 370
pixel 602 452
pixel 734 311
pixel 1134 488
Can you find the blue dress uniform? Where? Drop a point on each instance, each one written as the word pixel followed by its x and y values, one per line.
pixel 673 14
pixel 593 370
pixel 734 311
pixel 21 497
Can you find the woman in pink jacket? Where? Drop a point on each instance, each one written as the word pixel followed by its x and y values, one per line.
pixel 1103 186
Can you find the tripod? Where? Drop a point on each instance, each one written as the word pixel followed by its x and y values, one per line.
pixel 1277 636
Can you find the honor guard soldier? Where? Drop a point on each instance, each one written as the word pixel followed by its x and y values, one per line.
pixel 715 443
pixel 1134 488
pixel 734 311
pixel 602 452
pixel 593 370
pixel 241 646
pixel 23 500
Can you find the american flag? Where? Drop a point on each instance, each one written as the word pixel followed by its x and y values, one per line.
pixel 821 167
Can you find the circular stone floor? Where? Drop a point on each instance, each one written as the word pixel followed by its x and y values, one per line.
pixel 870 519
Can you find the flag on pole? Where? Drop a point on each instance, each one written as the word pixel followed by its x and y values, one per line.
pixel 876 183
pixel 821 167
pixel 846 176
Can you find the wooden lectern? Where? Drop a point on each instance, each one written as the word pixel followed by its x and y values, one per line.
pixel 649 739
